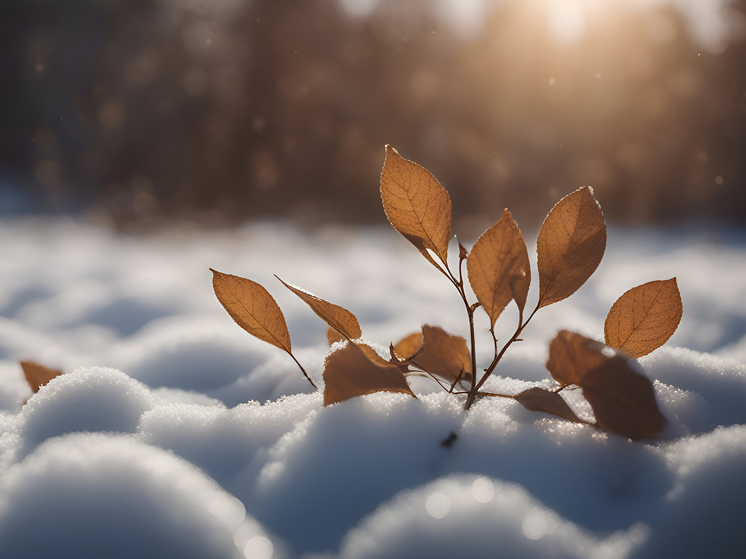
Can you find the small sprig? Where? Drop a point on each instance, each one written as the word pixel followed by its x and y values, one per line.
pixel 570 246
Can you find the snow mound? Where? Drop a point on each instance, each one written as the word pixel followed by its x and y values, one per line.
pixel 475 516
pixel 95 399
pixel 196 440
pixel 97 495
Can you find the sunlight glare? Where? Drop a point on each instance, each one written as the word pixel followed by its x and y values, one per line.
pixel 566 20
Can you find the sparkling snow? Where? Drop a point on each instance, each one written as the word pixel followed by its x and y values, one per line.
pixel 174 433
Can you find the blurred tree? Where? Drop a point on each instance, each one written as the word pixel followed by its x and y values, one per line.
pixel 226 109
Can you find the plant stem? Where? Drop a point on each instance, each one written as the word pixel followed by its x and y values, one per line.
pixel 474 392
pixel 470 313
pixel 511 396
pixel 303 370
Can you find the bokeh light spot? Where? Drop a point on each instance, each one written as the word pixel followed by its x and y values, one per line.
pixel 438 505
pixel 483 490
pixel 259 547
pixel 535 526
pixel 111 114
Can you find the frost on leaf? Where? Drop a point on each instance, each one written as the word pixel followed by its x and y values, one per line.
pixel 499 269
pixel 38 375
pixel 622 399
pixel 253 309
pixel 439 353
pixel 543 400
pixel 356 370
pixel 570 246
pixel 644 318
pixel 339 318
pixel 416 205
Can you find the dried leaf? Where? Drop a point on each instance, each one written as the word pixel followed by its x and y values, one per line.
pixel 38 375
pixel 339 318
pixel 333 336
pixel 571 356
pixel 498 267
pixel 356 370
pixel 570 246
pixel 253 308
pixel 416 205
pixel 622 399
pixel 408 346
pixel 442 354
pixel 644 318
pixel 543 400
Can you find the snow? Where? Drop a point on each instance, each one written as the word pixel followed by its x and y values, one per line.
pixel 175 433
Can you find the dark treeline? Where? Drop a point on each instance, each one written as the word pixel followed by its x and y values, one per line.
pixel 142 110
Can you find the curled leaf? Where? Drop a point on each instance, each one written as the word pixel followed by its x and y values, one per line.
pixel 408 346
pixel 499 269
pixel 441 354
pixel 333 336
pixel 622 399
pixel 571 356
pixel 644 318
pixel 416 205
pixel 253 309
pixel 339 318
pixel 543 400
pixel 38 375
pixel 571 243
pixel 356 370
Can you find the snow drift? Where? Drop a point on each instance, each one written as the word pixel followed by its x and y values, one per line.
pixel 174 433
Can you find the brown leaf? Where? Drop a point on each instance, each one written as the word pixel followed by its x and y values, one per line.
pixel 442 354
pixel 571 356
pixel 38 375
pixel 622 399
pixel 253 308
pixel 542 400
pixel 570 246
pixel 356 370
pixel 408 346
pixel 339 318
pixel 333 336
pixel 416 205
pixel 499 269
pixel 644 318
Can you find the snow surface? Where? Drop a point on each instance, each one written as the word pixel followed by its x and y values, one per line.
pixel 174 433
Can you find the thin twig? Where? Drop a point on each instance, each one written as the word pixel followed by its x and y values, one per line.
pixel 521 326
pixel 456 381
pixel 511 396
pixel 303 370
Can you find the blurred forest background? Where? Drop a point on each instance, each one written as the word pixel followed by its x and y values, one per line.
pixel 141 111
